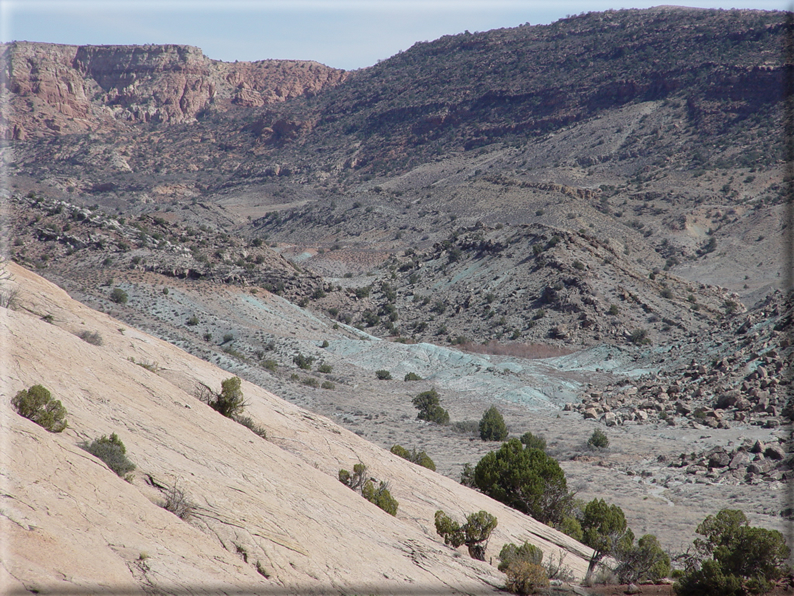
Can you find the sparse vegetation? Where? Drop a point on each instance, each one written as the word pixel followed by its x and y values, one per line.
pixel 412 377
pixel 37 404
pixel 383 375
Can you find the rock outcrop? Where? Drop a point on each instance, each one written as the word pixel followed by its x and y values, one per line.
pixel 267 513
pixel 60 89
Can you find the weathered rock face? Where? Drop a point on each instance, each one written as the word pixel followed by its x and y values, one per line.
pixel 60 89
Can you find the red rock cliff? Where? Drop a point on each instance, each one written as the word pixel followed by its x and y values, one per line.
pixel 54 89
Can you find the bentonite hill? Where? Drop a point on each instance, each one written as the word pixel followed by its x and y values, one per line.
pixel 581 223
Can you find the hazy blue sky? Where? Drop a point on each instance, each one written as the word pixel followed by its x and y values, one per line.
pixel 342 33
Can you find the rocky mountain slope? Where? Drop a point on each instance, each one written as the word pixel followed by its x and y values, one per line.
pixel 605 193
pixel 267 513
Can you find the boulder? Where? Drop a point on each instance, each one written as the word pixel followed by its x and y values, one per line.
pixel 719 459
pixel 739 460
pixel 774 452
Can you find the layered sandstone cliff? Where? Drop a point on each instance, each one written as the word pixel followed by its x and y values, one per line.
pixel 60 89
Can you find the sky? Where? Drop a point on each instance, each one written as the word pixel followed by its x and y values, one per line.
pixel 348 34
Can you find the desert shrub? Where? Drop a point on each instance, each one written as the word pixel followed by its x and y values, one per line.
pixel 643 562
pixel 111 451
pixel 383 375
pixel 613 309
pixel 358 481
pixel 303 362
pixel 325 368
pixel 598 440
pixel 474 533
pixel 531 441
pixel 492 425
pixel 270 365
pixel 380 496
pixel 412 377
pixel 429 407
pixel 229 401
pixel 527 552
pixel 526 479
pixel 311 382
pixel 178 503
pixel 251 425
pixel 639 337
pixel 733 558
pixel 420 458
pixel 91 337
pixel 36 404
pixel 328 385
pixel 466 427
pixel 119 296
pixel 227 337
pixel 525 578
pixel 523 567
pixel 192 321
pixel 355 480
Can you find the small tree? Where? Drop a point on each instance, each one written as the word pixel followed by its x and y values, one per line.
pixel 111 451
pixel 645 561
pixel 733 558
pixel 36 404
pixel 429 407
pixel 474 533
pixel 526 479
pixel 492 425
pixel 605 531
